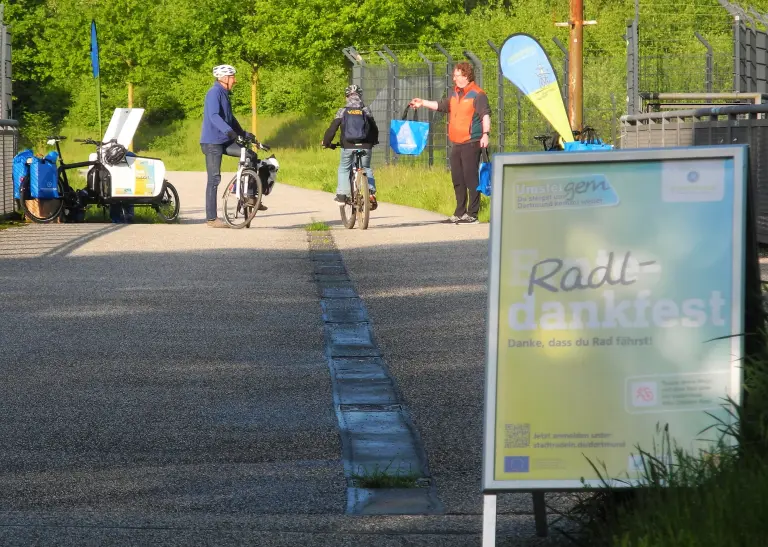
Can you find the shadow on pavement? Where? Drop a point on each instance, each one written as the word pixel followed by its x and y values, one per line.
pixel 188 389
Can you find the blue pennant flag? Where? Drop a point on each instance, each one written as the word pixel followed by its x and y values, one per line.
pixel 94 50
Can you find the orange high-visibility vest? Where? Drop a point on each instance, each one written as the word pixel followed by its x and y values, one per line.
pixel 464 124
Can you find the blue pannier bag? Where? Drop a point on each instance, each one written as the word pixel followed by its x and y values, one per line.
pixel 43 177
pixel 21 170
pixel 484 173
pixel 408 137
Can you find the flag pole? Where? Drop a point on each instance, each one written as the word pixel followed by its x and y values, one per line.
pixel 98 101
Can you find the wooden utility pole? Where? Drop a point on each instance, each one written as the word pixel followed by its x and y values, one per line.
pixel 576 65
pixel 576 23
pixel 254 96
pixel 130 105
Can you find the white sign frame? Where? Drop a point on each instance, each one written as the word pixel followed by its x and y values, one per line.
pixel 737 153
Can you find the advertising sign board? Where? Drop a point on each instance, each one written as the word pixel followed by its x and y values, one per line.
pixel 616 305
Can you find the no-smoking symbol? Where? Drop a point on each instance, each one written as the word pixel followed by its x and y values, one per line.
pixel 644 393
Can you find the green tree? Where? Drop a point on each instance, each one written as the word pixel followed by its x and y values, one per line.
pixel 264 39
pixel 128 31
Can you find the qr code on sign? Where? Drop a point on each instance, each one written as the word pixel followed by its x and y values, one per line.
pixel 517 435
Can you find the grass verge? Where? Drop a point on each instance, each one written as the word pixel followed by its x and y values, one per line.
pixel 10 223
pixel 317 226
pixel 379 477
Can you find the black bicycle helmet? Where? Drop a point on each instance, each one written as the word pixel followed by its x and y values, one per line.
pixel 353 89
pixel 114 153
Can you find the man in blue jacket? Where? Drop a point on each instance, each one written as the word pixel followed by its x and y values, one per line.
pixel 220 129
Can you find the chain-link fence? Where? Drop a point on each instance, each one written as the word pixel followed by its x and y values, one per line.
pixel 9 144
pixel 6 111
pixel 706 46
pixel 736 124
pixel 9 129
pixel 391 78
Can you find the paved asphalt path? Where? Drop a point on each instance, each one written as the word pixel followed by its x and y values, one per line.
pixel 167 384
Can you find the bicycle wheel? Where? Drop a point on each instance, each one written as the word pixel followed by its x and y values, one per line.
pixel 168 209
pixel 363 197
pixel 348 215
pixel 238 212
pixel 40 210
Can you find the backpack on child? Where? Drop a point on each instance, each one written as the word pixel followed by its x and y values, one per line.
pixel 354 124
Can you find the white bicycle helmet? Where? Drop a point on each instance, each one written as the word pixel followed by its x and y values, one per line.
pixel 113 153
pixel 223 70
pixel 353 89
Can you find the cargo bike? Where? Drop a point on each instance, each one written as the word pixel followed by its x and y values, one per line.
pixel 115 178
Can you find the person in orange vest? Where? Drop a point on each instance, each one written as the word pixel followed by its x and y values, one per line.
pixel 469 128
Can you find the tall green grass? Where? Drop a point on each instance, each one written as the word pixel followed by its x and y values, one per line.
pixel 711 499
pixel 716 498
pixel 295 141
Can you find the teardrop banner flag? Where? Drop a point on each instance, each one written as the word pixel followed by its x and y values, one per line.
pixel 525 63
pixel 95 68
pixel 94 50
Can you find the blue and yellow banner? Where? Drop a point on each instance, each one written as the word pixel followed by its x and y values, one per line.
pixel 525 63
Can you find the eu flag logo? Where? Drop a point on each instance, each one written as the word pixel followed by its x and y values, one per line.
pixel 516 464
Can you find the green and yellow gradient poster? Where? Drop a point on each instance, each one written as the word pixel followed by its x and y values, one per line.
pixel 617 275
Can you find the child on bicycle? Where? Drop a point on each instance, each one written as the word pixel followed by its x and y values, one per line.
pixel 358 130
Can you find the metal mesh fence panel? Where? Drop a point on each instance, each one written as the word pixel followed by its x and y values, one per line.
pixel 9 139
pixel 391 79
pixel 704 129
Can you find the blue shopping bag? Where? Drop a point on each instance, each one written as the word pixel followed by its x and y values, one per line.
pixel 408 137
pixel 21 170
pixel 484 173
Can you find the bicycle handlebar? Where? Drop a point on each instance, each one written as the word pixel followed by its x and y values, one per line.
pixel 333 145
pixel 244 141
pixel 97 143
pixel 89 141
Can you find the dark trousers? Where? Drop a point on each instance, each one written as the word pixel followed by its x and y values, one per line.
pixel 465 160
pixel 213 154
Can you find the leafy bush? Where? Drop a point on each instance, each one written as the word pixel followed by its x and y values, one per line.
pixel 160 103
pixel 35 128
pixel 326 92
pixel 84 112
pixel 284 90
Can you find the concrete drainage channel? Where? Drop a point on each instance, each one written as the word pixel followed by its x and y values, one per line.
pixel 379 441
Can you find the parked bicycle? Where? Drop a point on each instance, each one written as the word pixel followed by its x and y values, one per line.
pixel 548 142
pixel 254 180
pixel 552 142
pixel 114 177
pixel 358 204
